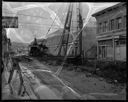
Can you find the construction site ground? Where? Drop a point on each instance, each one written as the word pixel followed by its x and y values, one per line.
pixel 83 83
pixel 87 83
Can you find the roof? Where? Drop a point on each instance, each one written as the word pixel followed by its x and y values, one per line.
pixel 108 9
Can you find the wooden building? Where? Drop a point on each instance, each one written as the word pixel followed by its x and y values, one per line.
pixel 111 33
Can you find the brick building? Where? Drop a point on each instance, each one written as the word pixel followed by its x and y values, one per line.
pixel 111 33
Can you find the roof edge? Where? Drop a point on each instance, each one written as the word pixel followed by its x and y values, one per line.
pixel 109 8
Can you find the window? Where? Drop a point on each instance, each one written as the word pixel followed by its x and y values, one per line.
pixel 117 42
pixel 119 22
pixel 122 42
pixel 125 21
pixel 72 52
pixel 99 28
pixel 112 24
pixel 105 26
pixel 103 51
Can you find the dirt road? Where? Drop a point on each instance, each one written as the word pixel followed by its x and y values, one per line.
pixel 84 83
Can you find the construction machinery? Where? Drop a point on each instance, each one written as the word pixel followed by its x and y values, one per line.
pixel 72 49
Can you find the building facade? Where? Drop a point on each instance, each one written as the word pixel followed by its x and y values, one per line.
pixel 111 33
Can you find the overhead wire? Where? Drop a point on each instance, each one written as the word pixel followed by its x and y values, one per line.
pixel 66 8
pixel 35 24
pixel 53 23
pixel 50 28
pixel 65 57
pixel 39 25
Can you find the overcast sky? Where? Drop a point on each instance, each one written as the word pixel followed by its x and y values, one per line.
pixel 50 11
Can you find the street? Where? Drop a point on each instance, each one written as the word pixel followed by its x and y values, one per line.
pixel 64 51
pixel 68 85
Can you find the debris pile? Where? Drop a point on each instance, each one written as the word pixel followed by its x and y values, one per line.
pixel 114 71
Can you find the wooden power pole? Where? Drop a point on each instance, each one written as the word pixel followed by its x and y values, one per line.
pixel 66 31
pixel 80 26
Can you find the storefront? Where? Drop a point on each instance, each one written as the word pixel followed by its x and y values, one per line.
pixel 112 51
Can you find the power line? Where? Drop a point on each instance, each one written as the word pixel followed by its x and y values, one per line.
pixel 40 26
pixel 36 24
pixel 53 23
pixel 32 16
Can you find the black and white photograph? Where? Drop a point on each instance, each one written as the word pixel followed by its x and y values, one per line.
pixel 63 51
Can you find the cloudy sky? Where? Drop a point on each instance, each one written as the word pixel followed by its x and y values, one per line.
pixel 35 19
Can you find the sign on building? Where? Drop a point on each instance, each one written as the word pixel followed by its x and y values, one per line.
pixel 9 22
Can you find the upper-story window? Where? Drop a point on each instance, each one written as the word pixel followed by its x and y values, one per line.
pixel 105 26
pixel 119 22
pixel 112 24
pixel 125 21
pixel 102 26
pixel 99 27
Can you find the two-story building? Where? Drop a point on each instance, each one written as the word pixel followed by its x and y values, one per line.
pixel 111 33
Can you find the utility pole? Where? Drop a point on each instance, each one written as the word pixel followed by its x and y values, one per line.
pixel 78 42
pixel 66 31
pixel 67 27
pixel 80 27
